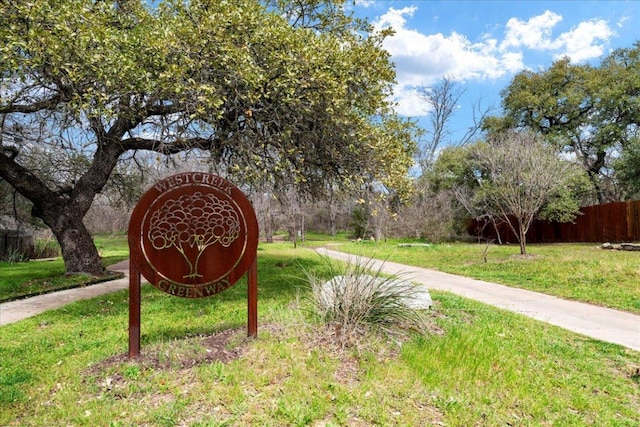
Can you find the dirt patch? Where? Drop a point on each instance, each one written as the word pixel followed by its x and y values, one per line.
pixel 523 257
pixel 223 346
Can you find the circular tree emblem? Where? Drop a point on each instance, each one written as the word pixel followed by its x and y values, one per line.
pixel 193 235
pixel 194 221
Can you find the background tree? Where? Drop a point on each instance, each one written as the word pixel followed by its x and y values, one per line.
pixel 520 178
pixel 452 183
pixel 334 207
pixel 296 92
pixel 628 169
pixel 434 214
pixel 442 100
pixel 590 112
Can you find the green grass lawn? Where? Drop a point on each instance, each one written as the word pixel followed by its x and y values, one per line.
pixel 19 280
pixel 476 366
pixel 582 272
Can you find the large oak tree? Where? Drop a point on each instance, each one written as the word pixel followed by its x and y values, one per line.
pixel 293 91
pixel 589 111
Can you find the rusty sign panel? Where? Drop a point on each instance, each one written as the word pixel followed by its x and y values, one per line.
pixel 193 235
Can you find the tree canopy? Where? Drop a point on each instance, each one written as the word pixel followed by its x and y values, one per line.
pixel 513 177
pixel 591 112
pixel 285 91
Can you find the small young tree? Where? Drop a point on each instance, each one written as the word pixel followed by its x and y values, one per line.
pixel 520 178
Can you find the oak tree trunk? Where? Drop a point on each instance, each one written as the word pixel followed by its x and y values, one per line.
pixel 63 209
pixel 78 249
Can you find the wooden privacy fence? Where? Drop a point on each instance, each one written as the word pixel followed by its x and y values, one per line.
pixel 611 222
pixel 12 241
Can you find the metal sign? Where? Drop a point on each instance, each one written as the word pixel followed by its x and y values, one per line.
pixel 191 235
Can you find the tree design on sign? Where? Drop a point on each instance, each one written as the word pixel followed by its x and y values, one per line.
pixel 194 220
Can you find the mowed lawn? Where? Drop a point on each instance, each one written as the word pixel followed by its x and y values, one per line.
pixel 20 280
pixel 475 365
pixel 582 272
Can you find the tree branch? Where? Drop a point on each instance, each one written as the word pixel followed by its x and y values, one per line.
pixel 21 178
pixel 34 107
pixel 176 146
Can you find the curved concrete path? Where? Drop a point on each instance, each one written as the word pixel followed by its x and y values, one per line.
pixel 601 323
pixel 14 311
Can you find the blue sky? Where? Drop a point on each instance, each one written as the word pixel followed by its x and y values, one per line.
pixel 483 44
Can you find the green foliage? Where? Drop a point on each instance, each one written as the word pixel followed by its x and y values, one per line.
pixel 442 204
pixel 587 111
pixel 15 255
pixel 514 177
pixel 46 248
pixel 30 248
pixel 360 221
pixel 628 169
pixel 208 63
pixel 290 93
pixel 454 168
pixel 564 202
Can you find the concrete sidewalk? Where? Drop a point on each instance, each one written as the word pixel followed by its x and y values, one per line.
pixel 601 323
pixel 14 311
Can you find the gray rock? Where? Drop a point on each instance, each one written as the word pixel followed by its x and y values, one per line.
pixel 415 297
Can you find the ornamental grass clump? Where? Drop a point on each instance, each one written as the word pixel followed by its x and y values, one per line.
pixel 359 300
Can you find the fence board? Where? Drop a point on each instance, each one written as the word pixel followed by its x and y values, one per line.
pixel 610 222
pixel 12 241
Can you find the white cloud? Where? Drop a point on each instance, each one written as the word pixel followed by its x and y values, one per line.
pixel 533 34
pixel 585 41
pixel 422 59
pixel 395 18
pixel 364 3
pixel 622 21
pixel 408 102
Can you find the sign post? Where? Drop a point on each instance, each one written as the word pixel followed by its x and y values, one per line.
pixel 192 235
pixel 252 299
pixel 134 311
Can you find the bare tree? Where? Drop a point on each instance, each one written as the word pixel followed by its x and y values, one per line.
pixel 290 208
pixel 442 100
pixel 518 175
pixel 433 216
pixel 263 199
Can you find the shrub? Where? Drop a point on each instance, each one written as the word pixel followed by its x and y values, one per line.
pixel 46 248
pixel 15 255
pixel 360 300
